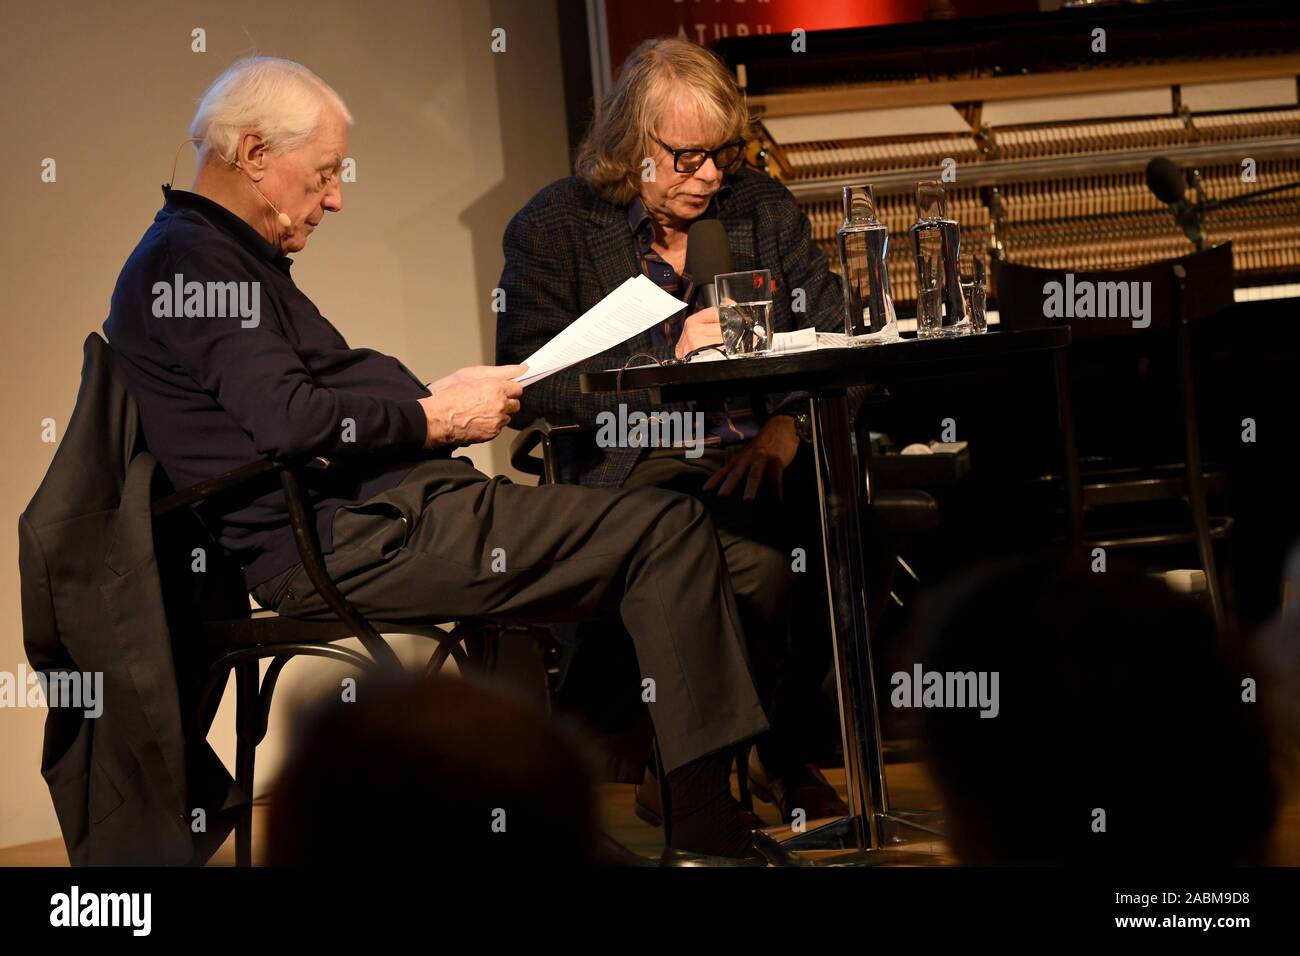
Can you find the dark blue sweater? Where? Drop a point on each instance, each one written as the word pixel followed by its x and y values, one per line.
pixel 226 374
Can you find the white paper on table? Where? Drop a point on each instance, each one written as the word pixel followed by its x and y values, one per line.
pixel 808 340
pixel 788 343
pixel 799 340
pixel 628 311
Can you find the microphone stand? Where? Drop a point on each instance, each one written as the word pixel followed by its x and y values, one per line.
pixel 1196 214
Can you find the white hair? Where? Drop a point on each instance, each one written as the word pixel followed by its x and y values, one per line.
pixel 278 98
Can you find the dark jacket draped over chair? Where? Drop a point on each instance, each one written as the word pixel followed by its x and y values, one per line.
pixel 128 784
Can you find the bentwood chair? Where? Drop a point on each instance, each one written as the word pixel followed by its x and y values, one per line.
pixel 1132 388
pixel 220 628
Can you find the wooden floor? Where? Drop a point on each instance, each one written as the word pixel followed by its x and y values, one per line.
pixel 908 787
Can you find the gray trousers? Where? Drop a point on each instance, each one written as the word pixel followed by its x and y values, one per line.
pixel 450 543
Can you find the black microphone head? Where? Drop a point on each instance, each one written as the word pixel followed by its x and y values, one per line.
pixel 707 251
pixel 1165 178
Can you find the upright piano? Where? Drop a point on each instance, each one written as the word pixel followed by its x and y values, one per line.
pixel 1042 125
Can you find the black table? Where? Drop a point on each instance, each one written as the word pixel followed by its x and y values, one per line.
pixel 826 374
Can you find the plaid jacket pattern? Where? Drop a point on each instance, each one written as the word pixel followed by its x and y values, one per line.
pixel 568 248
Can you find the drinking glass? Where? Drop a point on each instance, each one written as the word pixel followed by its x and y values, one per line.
pixel 745 311
pixel 975 294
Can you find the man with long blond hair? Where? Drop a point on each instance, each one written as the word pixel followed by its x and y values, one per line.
pixel 665 150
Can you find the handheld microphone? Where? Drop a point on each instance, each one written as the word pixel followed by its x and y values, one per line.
pixel 707 255
pixel 1166 181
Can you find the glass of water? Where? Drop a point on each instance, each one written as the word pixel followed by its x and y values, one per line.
pixel 745 311
pixel 929 302
pixel 974 292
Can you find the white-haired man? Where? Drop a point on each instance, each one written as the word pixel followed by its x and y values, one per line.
pixel 230 362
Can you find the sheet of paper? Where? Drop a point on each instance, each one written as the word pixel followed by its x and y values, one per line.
pixel 808 339
pixel 800 340
pixel 628 311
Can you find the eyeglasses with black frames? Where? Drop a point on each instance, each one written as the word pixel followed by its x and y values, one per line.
pixel 726 157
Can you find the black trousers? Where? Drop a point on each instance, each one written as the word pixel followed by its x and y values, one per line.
pixel 773 553
pixel 450 543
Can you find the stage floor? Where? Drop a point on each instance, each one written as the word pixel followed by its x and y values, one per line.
pixel 909 787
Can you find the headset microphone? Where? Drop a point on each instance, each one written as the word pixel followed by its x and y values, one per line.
pixel 284 221
pixel 281 219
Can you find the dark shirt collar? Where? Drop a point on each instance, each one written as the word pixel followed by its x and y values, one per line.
pixel 638 217
pixel 638 220
pixel 223 219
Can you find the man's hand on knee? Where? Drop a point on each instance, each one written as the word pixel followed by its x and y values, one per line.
pixel 472 404
pixel 763 461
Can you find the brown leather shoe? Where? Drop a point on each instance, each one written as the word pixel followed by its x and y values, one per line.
pixel 649 807
pixel 804 788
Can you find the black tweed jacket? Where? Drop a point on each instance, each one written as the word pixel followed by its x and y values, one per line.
pixel 569 248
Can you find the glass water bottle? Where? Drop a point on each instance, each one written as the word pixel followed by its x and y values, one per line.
pixel 936 243
pixel 863 243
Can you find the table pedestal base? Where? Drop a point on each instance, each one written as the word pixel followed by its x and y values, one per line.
pixel 895 828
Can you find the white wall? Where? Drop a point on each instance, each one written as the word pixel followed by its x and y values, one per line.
pixel 449 140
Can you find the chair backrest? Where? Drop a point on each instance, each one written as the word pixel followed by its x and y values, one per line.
pixel 1116 302
pixel 1124 367
pixel 199 581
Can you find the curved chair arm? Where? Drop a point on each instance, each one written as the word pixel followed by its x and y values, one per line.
pixel 540 432
pixel 304 535
pixel 303 524
pixel 231 479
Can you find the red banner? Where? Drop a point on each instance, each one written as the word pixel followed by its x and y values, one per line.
pixel 628 22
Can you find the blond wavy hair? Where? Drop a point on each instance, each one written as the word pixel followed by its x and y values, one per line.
pixel 657 72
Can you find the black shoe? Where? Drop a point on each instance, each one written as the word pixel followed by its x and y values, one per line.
pixel 675 857
pixel 763 851
pixel 608 852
